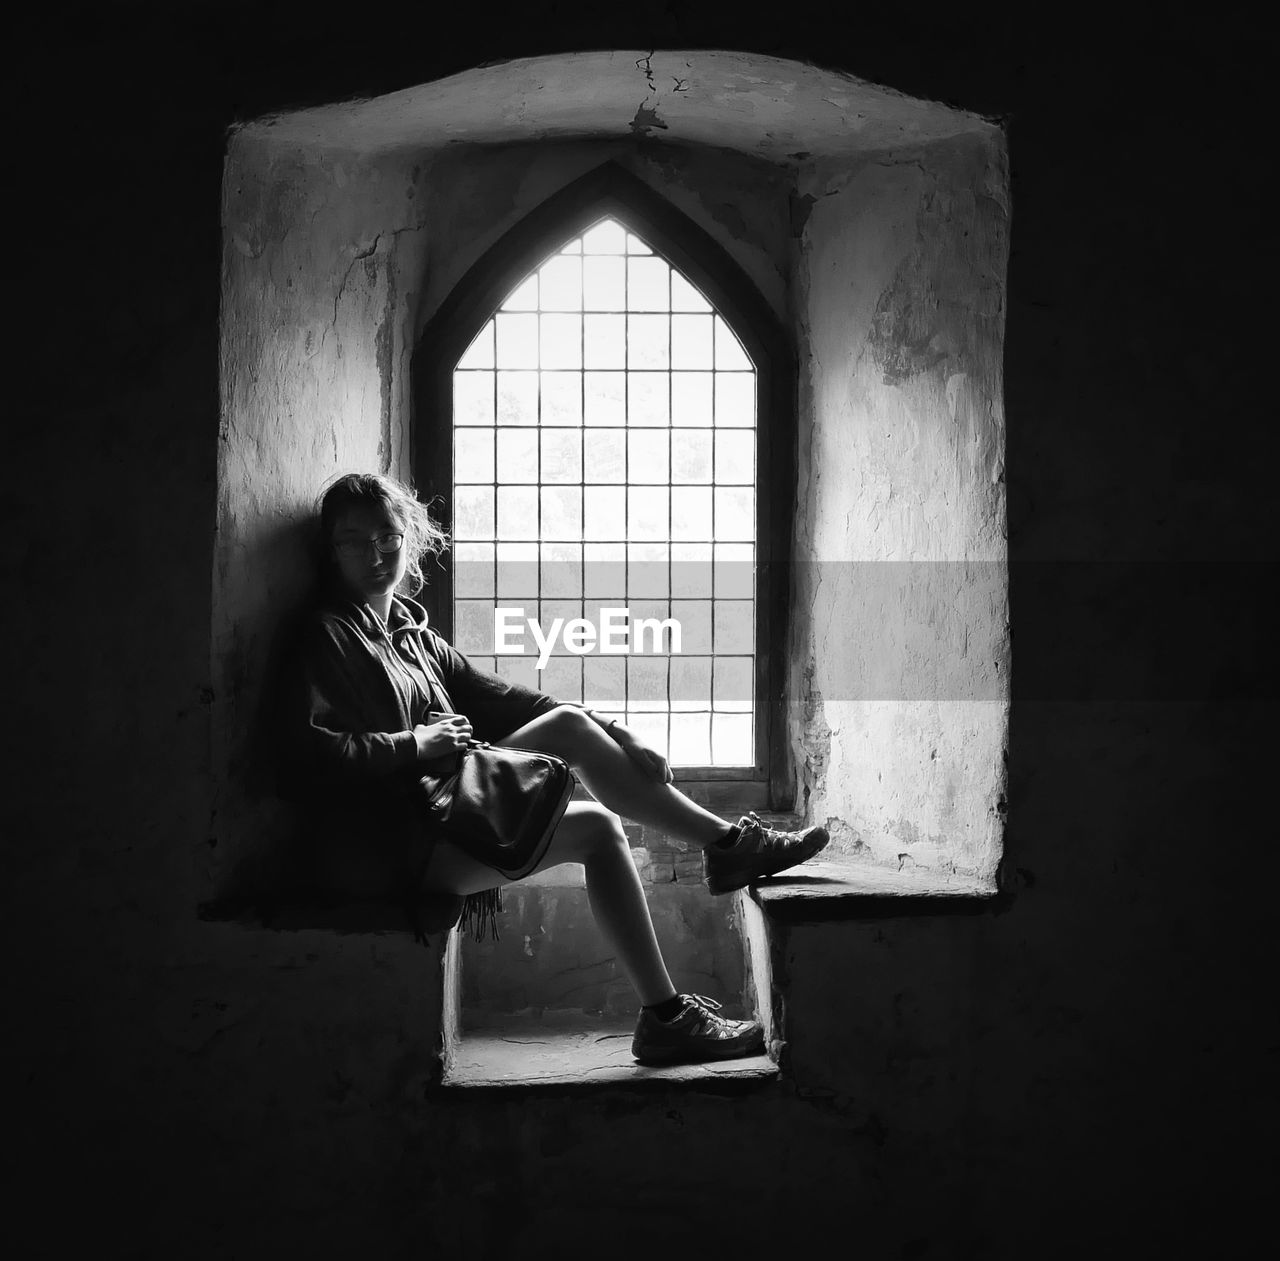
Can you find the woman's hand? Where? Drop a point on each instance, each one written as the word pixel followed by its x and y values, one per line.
pixel 443 738
pixel 649 760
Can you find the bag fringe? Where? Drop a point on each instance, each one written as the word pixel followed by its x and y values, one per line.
pixel 480 914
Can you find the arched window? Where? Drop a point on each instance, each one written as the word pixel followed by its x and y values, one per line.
pixel 602 436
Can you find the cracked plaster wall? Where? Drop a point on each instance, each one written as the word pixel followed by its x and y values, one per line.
pixel 901 625
pixel 322 258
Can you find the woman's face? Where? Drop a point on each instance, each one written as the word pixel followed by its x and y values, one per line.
pixel 370 574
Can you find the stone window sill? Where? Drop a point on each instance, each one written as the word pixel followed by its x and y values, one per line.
pixel 568 1051
pixel 844 888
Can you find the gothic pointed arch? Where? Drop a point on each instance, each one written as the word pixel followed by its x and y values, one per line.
pixel 610 192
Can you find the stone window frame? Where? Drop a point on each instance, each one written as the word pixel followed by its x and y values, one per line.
pixel 611 190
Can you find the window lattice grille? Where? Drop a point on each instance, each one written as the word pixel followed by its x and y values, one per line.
pixel 605 457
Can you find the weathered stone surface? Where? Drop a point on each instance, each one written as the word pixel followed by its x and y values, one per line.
pixel 578 1052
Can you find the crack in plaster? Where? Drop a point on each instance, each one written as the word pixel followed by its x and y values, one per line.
pixel 645 66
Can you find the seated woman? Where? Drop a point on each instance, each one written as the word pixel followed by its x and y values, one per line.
pixel 365 739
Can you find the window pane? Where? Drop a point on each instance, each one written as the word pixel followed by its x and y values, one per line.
pixel 473 512
pixel 647 284
pixel 522 670
pixel 690 682
pixel 560 284
pixel 561 345
pixel 517 341
pixel 604 398
pixel 517 571
pixel 736 399
pixel 647 683
pixel 473 398
pixel 574 246
pixel 604 682
pixel 735 571
pixel 562 679
pixel 518 398
pixel 517 455
pixel 473 626
pixel 684 297
pixel 524 297
pixel 473 570
pixel 604 515
pixel 517 512
pixel 735 512
pixel 562 455
pixel 691 455
pixel 604 284
pixel 647 341
pixel 647 402
pixel 607 237
pixel 647 570
pixel 605 341
pixel 605 568
pixel 562 569
pixel 561 512
pixel 691 342
pixel 691 512
pixel 473 455
pixel 647 512
pixel 690 739
pixel 690 568
pixel 480 353
pixel 694 617
pixel 561 398
pixel 636 246
pixel 731 743
pixel 606 455
pixel 652 728
pixel 735 625
pixel 730 357
pixel 734 683
pixel 691 398
pixel 736 456
pixel 647 455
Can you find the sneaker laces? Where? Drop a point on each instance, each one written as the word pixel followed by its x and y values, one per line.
pixel 769 836
pixel 708 1008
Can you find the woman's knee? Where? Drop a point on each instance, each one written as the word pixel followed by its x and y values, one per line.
pixel 570 725
pixel 600 833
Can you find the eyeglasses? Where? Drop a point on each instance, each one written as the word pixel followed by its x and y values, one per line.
pixel 384 543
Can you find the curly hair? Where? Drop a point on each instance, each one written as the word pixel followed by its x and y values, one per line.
pixel 422 536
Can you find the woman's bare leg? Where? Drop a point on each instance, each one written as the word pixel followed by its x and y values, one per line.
pixel 614 779
pixel 593 836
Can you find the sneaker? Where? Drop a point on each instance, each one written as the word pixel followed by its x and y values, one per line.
pixel 760 851
pixel 694 1033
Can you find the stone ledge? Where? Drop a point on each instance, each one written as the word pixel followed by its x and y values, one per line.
pixel 844 888
pixel 581 1054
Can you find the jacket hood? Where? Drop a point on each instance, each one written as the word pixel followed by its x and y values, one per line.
pixel 406 614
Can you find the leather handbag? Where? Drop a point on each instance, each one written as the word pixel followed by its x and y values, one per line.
pixel 501 805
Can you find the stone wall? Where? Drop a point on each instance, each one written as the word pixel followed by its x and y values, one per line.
pixel 900 636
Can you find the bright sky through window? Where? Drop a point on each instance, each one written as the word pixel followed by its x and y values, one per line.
pixel 605 457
